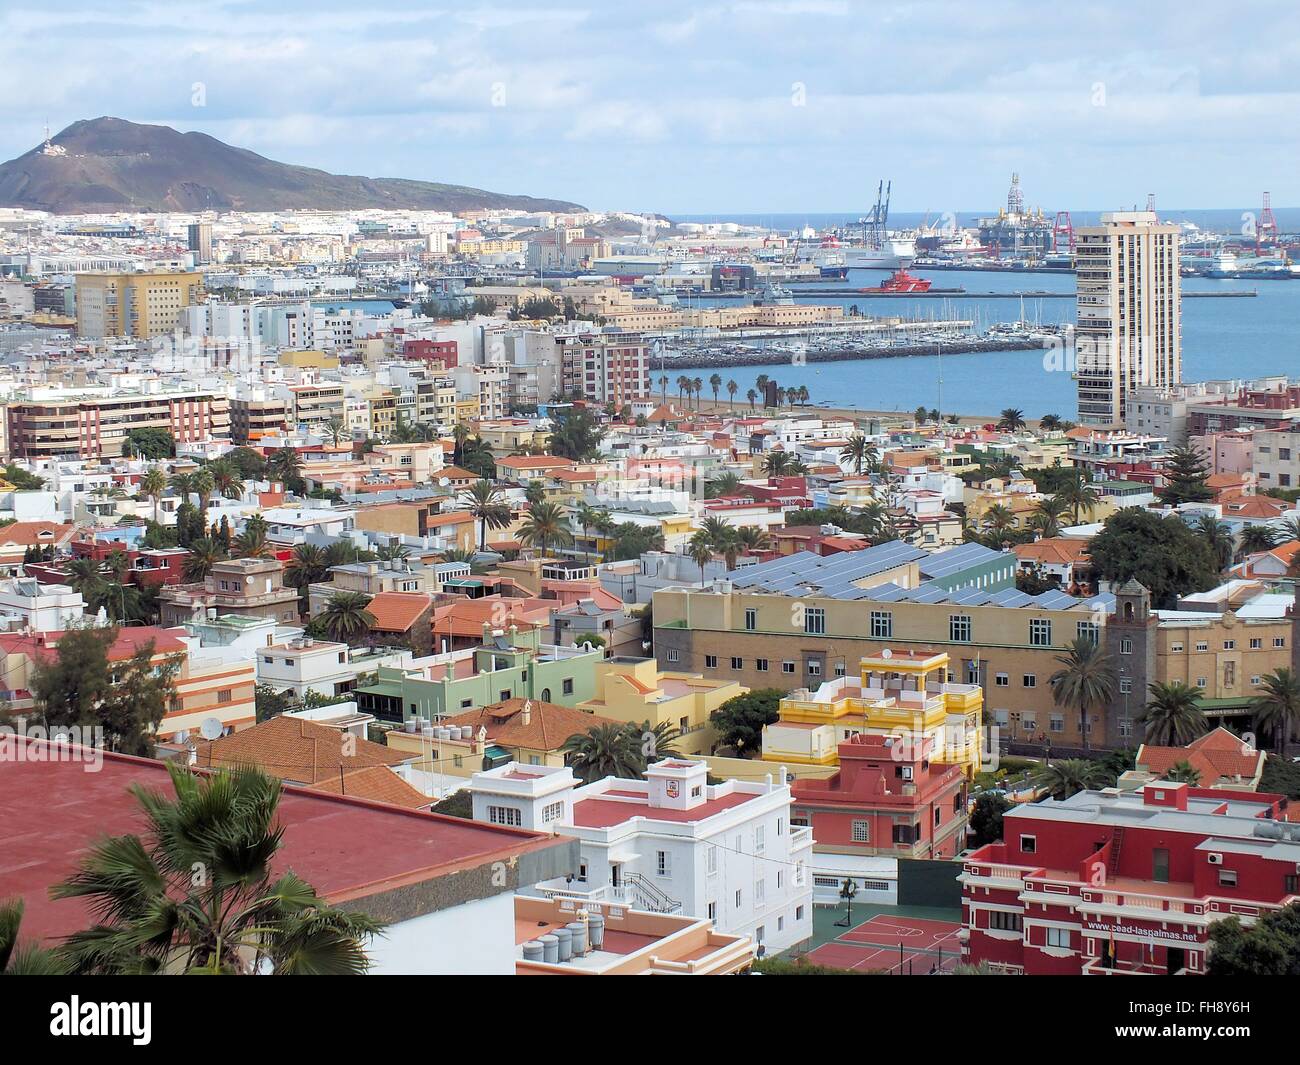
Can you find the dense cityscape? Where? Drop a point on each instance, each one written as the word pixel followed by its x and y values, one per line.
pixel 415 579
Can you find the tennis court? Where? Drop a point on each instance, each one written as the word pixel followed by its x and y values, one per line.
pixel 901 946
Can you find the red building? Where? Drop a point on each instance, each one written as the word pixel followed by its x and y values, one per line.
pixel 1125 883
pixel 445 352
pixel 888 798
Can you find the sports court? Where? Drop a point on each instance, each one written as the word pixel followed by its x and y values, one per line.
pixel 893 944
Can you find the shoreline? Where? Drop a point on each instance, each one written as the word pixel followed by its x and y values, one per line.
pixel 688 361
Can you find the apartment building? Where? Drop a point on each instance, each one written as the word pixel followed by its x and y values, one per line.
pixel 255 414
pixel 97 427
pixel 671 843
pixel 144 304
pixel 605 368
pixel 313 404
pixel 1129 330
pixel 1125 883
pixel 804 619
pixel 253 587
pixel 1275 457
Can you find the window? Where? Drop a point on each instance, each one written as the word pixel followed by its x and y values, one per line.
pixel 760 664
pixel 787 667
pixel 663 863
pixel 1202 645
pixel 760 892
pixel 1279 641
pixel 504 694
pixel 711 861
pixel 1175 647
pixel 1040 632
pixel 1227 878
pixel 814 668
pixel 672 655
pixel 1058 937
pixel 798 913
pixel 882 625
pixel 567 686
pixel 713 911
pixel 1001 680
pixel 1028 844
pixel 759 838
pixel 737 663
pixel 1229 645
pixel 1126 646
pixel 225 695
pixel 1004 921
pixel 1125 685
pixel 1029 680
pixel 1056 722
pixel 1087 630
pixel 710 661
pixel 861 831
pixel 938 815
pixel 751 619
pixel 959 628
pixel 737 898
pixel 840 671
pixel 553 812
pixel 814 621
pixel 505 815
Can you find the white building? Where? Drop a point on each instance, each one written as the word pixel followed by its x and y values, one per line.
pixel 672 843
pixel 301 665
pixel 25 603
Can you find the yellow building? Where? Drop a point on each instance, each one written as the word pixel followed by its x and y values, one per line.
pixel 309 359
pixel 141 305
pixel 903 694
pixel 636 690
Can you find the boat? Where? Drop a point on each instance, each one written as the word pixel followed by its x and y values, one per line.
pixel 901 281
pixel 890 253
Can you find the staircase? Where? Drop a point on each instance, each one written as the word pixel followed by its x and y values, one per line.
pixel 1116 844
pixel 645 895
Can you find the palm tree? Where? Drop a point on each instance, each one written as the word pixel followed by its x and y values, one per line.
pixel 1172 716
pixel 488 505
pixel 999 521
pixel 252 542
pixel 459 435
pixel 306 566
pixel 197 896
pixel 653 742
pixel 588 518
pixel 204 486
pixel 861 452
pixel 697 385
pixel 751 538
pixel 760 383
pixel 603 751
pixel 1012 420
pixel 1084 683
pixel 715 383
pixel 700 551
pixel 725 484
pixel 204 553
pixel 152 485
pixel 1049 422
pixel 683 385
pixel 751 395
pixel 663 389
pixel 83 575
pixel 29 960
pixel 545 524
pixel 285 465
pixel 345 616
pixel 333 430
pixel 1217 536
pixel 732 389
pixel 393 552
pixel 1183 772
pixel 183 485
pixel 226 479
pixel 1256 538
pixel 778 463
pixel 1079 495
pixel 1277 708
pixel 1066 777
pixel 1289 530
pixel 118 565
pixel 1047 514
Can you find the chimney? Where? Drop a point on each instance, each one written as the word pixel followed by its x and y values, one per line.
pixel 191 753
pixel 526 715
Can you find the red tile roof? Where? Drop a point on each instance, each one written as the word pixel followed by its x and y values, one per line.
pixel 397 611
pixel 1220 756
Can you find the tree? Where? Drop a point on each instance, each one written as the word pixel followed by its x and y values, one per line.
pixel 986 818
pixel 1079 496
pixel 476 457
pixel 23 480
pixel 198 897
pixel 588 518
pixel 545 524
pixel 1172 716
pixel 603 751
pixel 227 481
pixel 700 551
pixel 1046 517
pixel 28 960
pixel 269 702
pixel 252 541
pixel 575 434
pixel 1217 538
pixel 1049 422
pixel 204 554
pixel 653 742
pixel 1269 947
pixel 285 466
pixel 306 566
pixel 1084 683
pixel 1186 472
pixel 1277 708
pixel 80 686
pixel 483 500
pixel 1066 777
pixel 151 443
pixel 715 383
pixel 1163 553
pixel 861 452
pixel 751 395
pixel 1011 420
pixel 249 462
pixel 633 541
pixel 1256 539
pixel 345 616
pixel 740 720
pixel 732 389
pixel 1183 772
pixel 152 485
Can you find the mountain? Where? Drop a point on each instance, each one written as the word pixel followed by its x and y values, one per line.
pixel 109 164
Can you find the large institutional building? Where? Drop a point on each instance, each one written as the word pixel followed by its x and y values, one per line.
pixel 140 305
pixel 1129 327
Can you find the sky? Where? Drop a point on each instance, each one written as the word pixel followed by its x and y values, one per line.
pixel 748 106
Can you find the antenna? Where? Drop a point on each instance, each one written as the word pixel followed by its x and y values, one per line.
pixel 211 728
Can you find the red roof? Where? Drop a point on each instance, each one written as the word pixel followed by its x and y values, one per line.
pixel 398 611
pixel 1218 755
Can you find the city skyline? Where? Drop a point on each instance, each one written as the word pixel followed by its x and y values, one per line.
pixel 746 107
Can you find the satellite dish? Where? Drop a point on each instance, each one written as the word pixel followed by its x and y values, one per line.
pixel 886 653
pixel 443 482
pixel 211 728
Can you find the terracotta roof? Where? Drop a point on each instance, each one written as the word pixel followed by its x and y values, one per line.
pixel 534 462
pixel 1254 507
pixel 298 750
pixel 548 727
pixel 397 611
pixel 129 640
pixel 1054 550
pixel 24 534
pixel 1219 756
pixel 378 784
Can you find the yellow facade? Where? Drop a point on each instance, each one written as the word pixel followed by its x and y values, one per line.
pixel 903 694
pixel 635 690
pixel 309 359
pixel 141 305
